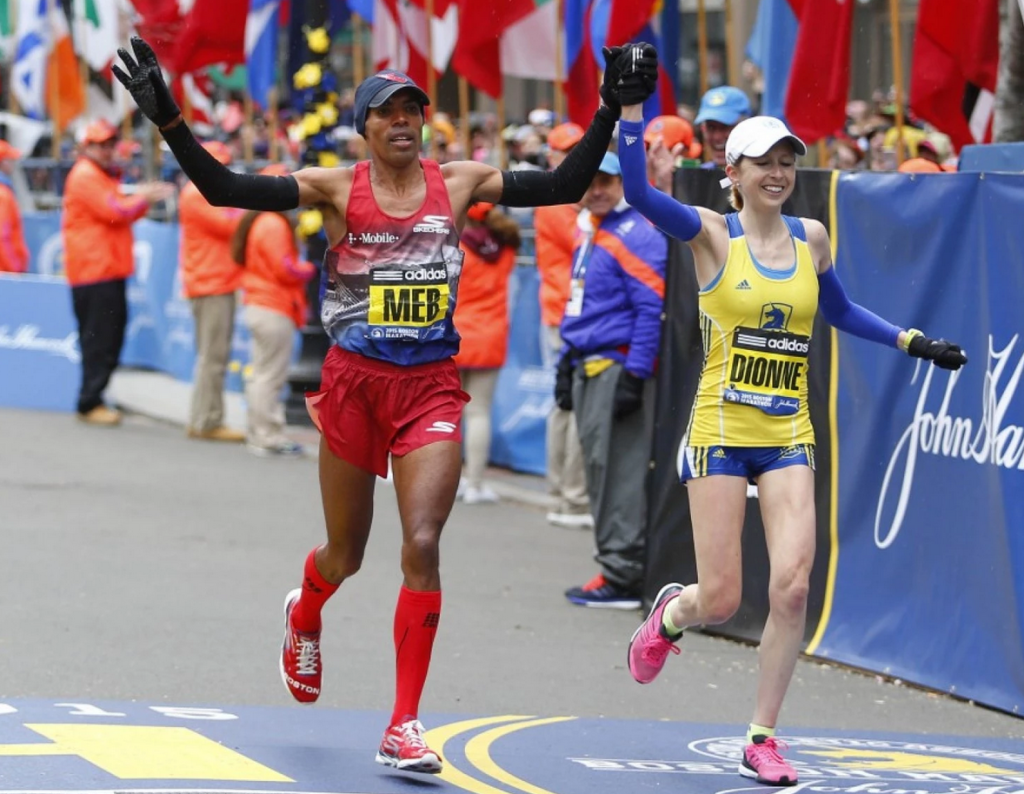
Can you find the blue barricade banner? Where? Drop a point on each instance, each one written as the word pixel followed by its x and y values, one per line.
pixel 524 395
pixel 929 578
pixel 40 364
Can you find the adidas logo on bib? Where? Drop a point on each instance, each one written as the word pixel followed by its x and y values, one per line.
pixel 744 285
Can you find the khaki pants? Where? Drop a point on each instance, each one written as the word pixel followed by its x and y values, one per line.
pixel 214 317
pixel 566 474
pixel 476 421
pixel 273 337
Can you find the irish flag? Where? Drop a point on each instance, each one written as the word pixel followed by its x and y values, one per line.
pixel 45 73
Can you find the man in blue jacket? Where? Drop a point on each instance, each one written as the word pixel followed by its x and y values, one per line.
pixel 612 331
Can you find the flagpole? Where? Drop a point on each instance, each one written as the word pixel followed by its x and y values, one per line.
pixel 559 103
pixel 431 77
pixel 358 70
pixel 186 102
pixel 247 129
pixel 897 74
pixel 702 45
pixel 464 118
pixel 502 148
pixel 272 112
pixel 732 70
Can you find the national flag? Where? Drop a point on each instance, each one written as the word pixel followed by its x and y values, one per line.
pixel 956 60
pixel 627 18
pixel 400 39
pixel 362 7
pixel 261 48
pixel 582 71
pixel 65 93
pixel 96 24
pixel 193 92
pixel 528 46
pixel 771 48
pixel 477 55
pixel 160 23
pixel 213 32
pixel 440 6
pixel 819 81
pixel 28 73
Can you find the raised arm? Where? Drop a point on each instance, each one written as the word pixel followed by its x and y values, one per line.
pixel 220 186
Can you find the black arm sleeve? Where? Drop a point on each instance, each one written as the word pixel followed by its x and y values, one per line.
pixel 567 183
pixel 221 186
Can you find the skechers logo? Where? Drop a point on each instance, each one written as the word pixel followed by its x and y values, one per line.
pixel 432 224
pixel 372 238
pixel 441 427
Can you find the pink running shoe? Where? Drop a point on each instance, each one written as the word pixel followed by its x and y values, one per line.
pixel 650 644
pixel 301 668
pixel 403 748
pixel 761 761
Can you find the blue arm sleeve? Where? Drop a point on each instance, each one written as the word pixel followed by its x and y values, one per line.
pixel 678 220
pixel 845 315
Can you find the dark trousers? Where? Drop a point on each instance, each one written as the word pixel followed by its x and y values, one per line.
pixel 102 313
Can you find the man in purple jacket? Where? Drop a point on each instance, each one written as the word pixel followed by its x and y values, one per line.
pixel 612 331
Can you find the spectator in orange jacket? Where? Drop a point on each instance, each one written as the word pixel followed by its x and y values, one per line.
pixel 97 229
pixel 274 295
pixel 555 236
pixel 210 278
pixel 490 240
pixel 13 251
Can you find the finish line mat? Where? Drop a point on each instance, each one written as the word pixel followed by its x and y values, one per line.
pixel 162 749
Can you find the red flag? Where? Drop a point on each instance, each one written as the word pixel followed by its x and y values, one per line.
pixel 440 6
pixel 956 57
pixel 213 32
pixel 477 55
pixel 159 24
pixel 819 82
pixel 627 18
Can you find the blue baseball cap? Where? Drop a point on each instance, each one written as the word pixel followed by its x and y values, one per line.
pixel 610 164
pixel 725 104
pixel 375 90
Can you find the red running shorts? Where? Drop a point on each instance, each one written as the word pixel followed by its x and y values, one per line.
pixel 367 408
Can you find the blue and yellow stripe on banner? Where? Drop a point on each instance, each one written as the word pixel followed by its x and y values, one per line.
pixel 833 427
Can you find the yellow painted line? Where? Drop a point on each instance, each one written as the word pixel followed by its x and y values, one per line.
pixel 131 752
pixel 833 426
pixel 438 737
pixel 478 751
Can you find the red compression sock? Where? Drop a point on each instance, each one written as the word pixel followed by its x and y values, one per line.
pixel 416 619
pixel 315 592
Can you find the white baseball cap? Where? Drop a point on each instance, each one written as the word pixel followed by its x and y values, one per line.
pixel 753 137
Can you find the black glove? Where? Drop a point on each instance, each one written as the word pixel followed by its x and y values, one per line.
pixel 145 82
pixel 629 394
pixel 638 67
pixel 563 382
pixel 945 354
pixel 610 85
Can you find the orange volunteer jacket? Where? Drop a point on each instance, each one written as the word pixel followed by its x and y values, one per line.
pixel 13 251
pixel 97 225
pixel 555 229
pixel 206 264
pixel 481 310
pixel 274 277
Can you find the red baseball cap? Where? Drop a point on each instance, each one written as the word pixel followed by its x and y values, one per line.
pixel 563 137
pixel 478 211
pixel 220 151
pixel 8 152
pixel 99 131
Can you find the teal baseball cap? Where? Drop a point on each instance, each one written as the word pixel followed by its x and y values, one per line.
pixel 610 164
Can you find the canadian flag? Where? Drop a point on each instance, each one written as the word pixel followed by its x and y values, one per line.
pixel 400 38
